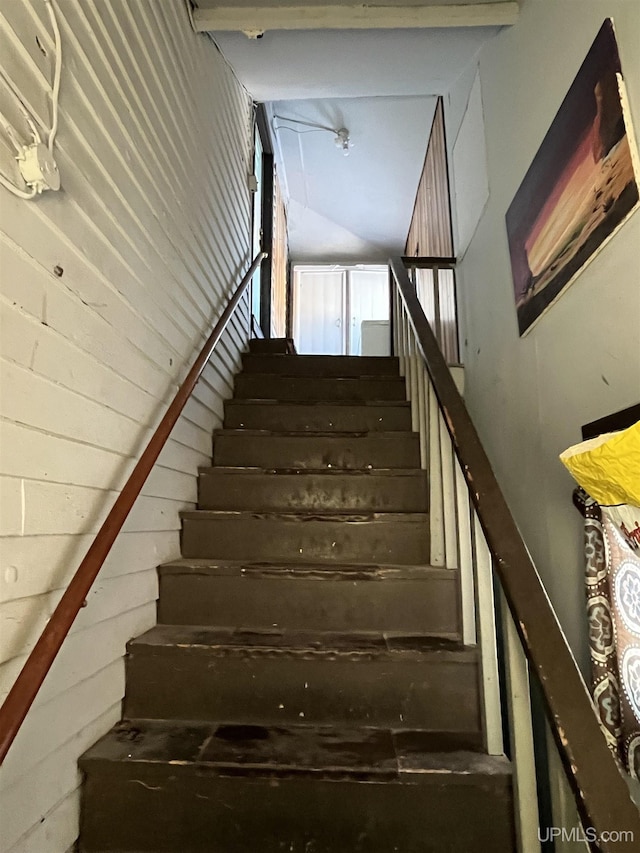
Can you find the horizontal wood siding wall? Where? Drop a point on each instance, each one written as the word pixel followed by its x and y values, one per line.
pixel 430 229
pixel 108 289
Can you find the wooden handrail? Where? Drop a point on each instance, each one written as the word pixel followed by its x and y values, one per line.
pixel 37 665
pixel 600 791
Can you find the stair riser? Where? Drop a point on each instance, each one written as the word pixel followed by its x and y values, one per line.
pixel 321 365
pixel 223 490
pixel 278 346
pixel 261 386
pixel 271 688
pixel 323 418
pixel 175 809
pixel 274 451
pixel 426 607
pixel 306 539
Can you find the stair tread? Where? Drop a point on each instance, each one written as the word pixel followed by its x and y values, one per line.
pixel 329 472
pixel 350 378
pixel 258 386
pixel 315 433
pixel 280 346
pixel 389 435
pixel 346 517
pixel 364 754
pixel 344 451
pixel 260 401
pixel 312 358
pixel 307 416
pixel 334 356
pixel 319 643
pixel 351 571
pixel 314 489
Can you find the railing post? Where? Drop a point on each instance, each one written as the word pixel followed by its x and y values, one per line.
pixel 413 382
pixel 402 338
pixel 437 322
pixel 465 553
pixel 485 609
pixel 396 322
pixel 436 506
pixel 520 735
pixel 423 415
pixel 448 496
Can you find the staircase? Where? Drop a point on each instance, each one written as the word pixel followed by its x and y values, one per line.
pixel 306 689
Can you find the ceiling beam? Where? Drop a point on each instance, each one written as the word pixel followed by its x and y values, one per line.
pixel 257 19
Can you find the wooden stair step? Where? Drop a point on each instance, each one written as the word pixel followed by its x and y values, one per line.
pixel 327 490
pixel 280 346
pixel 309 416
pixel 321 365
pixel 298 537
pixel 220 787
pixel 263 449
pixel 406 599
pixel 278 676
pixel 272 386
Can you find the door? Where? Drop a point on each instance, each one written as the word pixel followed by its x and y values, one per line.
pixel 319 300
pixel 368 304
pixel 331 304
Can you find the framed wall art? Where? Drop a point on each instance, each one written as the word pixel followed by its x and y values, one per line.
pixel 581 186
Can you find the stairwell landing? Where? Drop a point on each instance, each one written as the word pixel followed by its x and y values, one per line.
pixel 306 689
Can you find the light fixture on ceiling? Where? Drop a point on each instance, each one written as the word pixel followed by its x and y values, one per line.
pixel 342 141
pixel 342 138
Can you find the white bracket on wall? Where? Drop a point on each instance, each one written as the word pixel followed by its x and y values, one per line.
pixel 36 162
pixel 39 169
pixel 37 166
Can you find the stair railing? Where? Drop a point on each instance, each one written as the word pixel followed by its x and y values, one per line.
pixel 435 282
pixel 43 654
pixel 473 531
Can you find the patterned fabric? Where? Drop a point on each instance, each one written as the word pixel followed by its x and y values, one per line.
pixel 612 580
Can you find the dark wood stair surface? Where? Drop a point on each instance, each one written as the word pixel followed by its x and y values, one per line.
pixel 301 788
pixel 267 386
pixel 324 490
pixel 362 417
pixel 312 365
pixel 370 537
pixel 275 676
pixel 406 599
pixel 306 689
pixel 272 346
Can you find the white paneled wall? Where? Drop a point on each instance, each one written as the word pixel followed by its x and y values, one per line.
pixel 108 288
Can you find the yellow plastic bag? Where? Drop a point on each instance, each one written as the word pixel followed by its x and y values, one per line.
pixel 608 467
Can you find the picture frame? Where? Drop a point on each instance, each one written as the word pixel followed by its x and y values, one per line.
pixel 582 185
